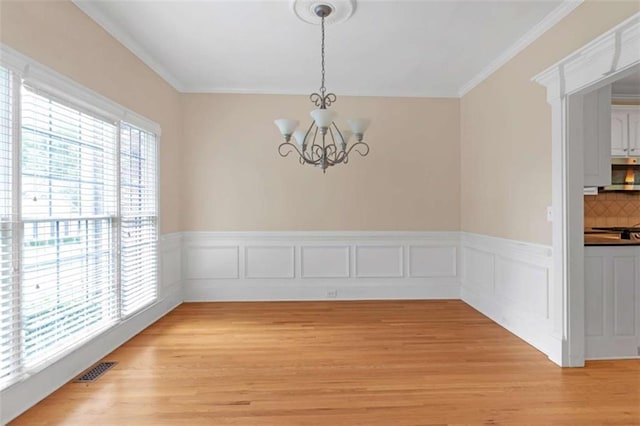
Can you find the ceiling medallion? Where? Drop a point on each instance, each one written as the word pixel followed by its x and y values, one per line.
pixel 323 144
pixel 341 10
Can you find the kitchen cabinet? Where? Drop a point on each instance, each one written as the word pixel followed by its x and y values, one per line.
pixel 596 137
pixel 612 302
pixel 625 131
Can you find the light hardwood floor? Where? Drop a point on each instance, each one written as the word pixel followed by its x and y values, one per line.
pixel 339 363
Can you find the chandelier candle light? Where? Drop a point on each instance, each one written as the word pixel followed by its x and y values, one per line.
pixel 323 144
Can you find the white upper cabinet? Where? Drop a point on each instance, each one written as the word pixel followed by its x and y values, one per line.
pixel 625 131
pixel 634 131
pixel 619 127
pixel 596 136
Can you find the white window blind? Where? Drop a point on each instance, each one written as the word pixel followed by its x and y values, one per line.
pixel 9 295
pixel 139 212
pixel 78 216
pixel 69 206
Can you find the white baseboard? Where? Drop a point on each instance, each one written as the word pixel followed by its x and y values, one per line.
pixel 262 266
pixel 510 282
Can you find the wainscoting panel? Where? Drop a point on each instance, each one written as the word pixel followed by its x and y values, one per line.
pixel 379 262
pixel 325 261
pixel 257 266
pixel 205 262
pixel 269 262
pixel 478 270
pixel 525 285
pixel 432 261
pixel 509 281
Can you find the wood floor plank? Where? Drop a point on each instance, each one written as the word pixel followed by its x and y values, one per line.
pixel 339 363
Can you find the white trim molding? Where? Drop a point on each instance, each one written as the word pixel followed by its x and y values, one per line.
pixel 261 266
pixel 609 57
pixel 509 281
pixel 565 8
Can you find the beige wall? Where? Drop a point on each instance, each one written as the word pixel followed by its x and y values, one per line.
pixel 482 163
pixel 236 181
pixel 506 131
pixel 59 35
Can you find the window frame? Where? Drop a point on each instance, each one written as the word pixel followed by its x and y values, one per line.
pixel 26 71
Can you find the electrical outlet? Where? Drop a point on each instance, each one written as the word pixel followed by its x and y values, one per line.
pixel 332 293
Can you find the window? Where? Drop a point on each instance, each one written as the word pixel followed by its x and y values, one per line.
pixel 78 220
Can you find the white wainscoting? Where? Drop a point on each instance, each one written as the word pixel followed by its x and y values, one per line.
pixel 510 282
pixel 260 266
pixel 22 395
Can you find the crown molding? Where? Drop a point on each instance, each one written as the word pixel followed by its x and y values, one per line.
pixel 89 8
pixel 532 35
pixel 94 13
pixel 447 94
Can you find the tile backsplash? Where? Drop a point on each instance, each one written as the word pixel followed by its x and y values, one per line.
pixel 612 209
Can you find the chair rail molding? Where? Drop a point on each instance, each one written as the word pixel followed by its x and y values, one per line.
pixel 600 62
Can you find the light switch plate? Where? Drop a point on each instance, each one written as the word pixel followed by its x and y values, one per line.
pixel 549 214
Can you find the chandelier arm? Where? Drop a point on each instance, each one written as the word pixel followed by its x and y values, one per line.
pixel 338 158
pixel 343 144
pixel 313 148
pixel 331 151
pixel 317 150
pixel 306 135
pixel 291 147
pixel 333 144
pixel 301 155
pixel 357 145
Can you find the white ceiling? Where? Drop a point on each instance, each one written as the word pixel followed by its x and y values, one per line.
pixel 387 48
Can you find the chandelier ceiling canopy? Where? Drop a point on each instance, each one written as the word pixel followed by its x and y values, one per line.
pixel 323 144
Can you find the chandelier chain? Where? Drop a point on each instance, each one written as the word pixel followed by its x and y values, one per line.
pixel 322 88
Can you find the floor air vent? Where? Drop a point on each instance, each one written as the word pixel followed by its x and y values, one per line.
pixel 95 372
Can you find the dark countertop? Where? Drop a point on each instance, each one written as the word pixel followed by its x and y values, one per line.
pixel 599 238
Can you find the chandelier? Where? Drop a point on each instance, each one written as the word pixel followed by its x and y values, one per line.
pixel 323 144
